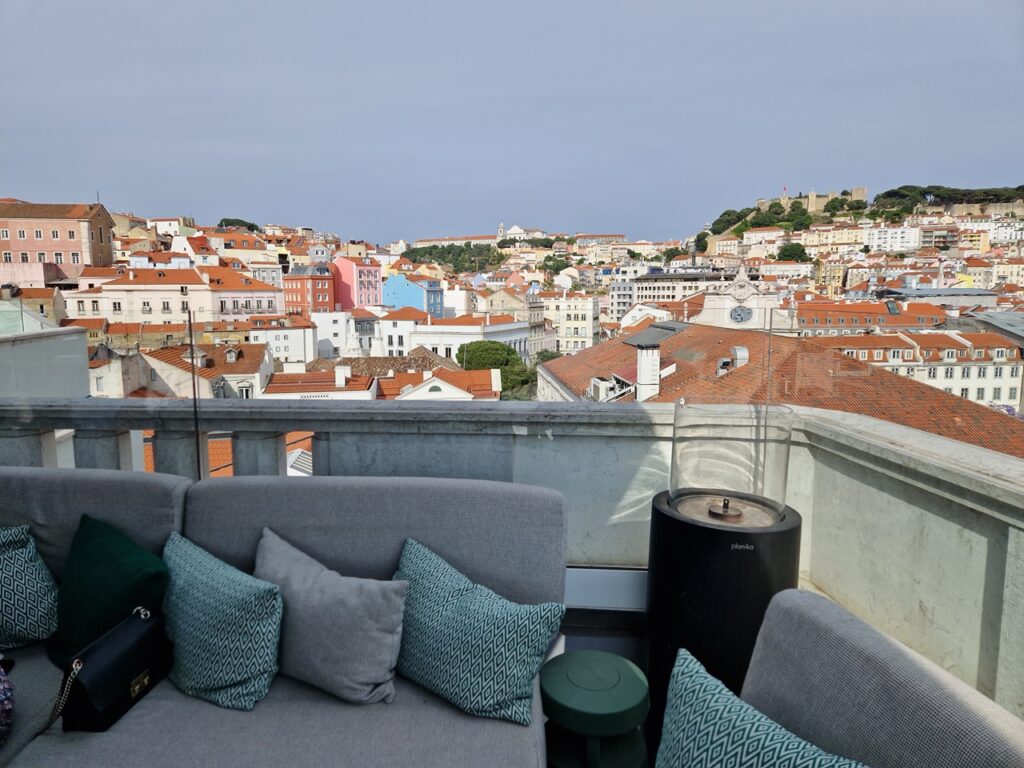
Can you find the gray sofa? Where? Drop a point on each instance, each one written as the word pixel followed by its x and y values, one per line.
pixel 508 537
pixel 839 683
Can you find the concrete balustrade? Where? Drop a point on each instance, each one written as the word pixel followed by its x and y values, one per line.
pixel 921 536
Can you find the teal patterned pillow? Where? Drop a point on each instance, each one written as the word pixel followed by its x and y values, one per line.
pixel 706 725
pixel 28 593
pixel 460 640
pixel 225 626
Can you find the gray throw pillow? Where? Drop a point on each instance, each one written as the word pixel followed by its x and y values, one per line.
pixel 340 634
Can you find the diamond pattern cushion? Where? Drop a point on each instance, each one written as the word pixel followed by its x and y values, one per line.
pixel 707 726
pixel 28 593
pixel 225 626
pixel 460 640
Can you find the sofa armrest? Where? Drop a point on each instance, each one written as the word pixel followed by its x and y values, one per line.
pixel 839 683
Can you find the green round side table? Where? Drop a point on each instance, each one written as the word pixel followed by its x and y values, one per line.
pixel 595 703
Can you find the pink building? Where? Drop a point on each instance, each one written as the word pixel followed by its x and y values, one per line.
pixel 69 236
pixel 357 282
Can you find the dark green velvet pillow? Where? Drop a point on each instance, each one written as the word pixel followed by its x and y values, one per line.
pixel 105 576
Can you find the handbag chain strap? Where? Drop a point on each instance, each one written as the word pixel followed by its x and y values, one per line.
pixel 65 691
pixel 76 667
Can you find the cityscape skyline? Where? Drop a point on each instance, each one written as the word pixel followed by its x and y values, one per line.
pixel 445 120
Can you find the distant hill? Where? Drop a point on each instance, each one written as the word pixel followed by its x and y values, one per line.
pixel 891 206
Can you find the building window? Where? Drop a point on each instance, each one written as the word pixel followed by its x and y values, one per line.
pixel 950 354
pixel 997 372
pixel 948 372
pixel 74 257
pixel 24 257
pixel 152 374
pixel 997 393
pixel 21 234
pixel 40 257
pixel 965 372
pixel 54 234
pixel 116 306
pixel 165 306
pixel 982 371
pixel 95 307
pixel 7 257
pixel 5 234
pixel 391 341
pixel 81 306
pixel 1013 393
pixel 878 354
pixel 99 383
pixel 184 306
pixel 964 392
pixel 1000 353
pixel 933 373
pixel 58 258
pixel 146 308
pixel 39 234
pixel 71 234
pixel 979 393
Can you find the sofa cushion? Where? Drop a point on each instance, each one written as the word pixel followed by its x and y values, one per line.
pixel 298 725
pixel 145 506
pixel 106 576
pixel 339 633
pixel 225 626
pixel 36 683
pixel 468 644
pixel 28 593
pixel 506 536
pixel 706 726
pixel 828 677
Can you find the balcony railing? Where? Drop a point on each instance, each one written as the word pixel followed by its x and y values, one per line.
pixel 921 536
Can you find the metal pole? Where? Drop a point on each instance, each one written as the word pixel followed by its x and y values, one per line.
pixel 195 396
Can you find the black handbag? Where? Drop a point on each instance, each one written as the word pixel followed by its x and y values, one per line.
pixel 108 677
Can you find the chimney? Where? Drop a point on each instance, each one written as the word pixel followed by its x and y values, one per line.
pixel 740 357
pixel 341 374
pixel 648 371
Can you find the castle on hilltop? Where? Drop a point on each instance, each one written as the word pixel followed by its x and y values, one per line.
pixel 813 202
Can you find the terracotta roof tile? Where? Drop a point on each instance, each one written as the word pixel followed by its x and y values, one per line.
pixel 804 373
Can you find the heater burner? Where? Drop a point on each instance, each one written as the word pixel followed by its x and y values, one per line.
pixel 730 510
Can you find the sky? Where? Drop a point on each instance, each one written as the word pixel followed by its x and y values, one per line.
pixel 382 120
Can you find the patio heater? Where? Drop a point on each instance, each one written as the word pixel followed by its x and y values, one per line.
pixel 723 540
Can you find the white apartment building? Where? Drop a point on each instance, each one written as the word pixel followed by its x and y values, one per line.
pixel 985 367
pixel 1007 231
pixel 446 336
pixel 144 295
pixel 892 239
pixel 290 338
pixel 575 316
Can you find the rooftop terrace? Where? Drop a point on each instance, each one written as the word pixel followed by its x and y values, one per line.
pixel 920 535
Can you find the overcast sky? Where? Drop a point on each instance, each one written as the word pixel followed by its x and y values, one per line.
pixel 382 120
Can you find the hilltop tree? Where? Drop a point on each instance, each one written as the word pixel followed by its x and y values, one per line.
pixel 239 223
pixel 793 252
pixel 701 242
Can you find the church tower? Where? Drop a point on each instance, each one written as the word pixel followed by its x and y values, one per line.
pixel 501 230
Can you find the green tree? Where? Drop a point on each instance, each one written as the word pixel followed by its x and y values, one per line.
pixel 835 205
pixel 776 208
pixel 239 223
pixel 506 242
pixel 547 355
pixel 484 355
pixel 856 205
pixel 793 252
pixel 866 249
pixel 701 242
pixel 670 253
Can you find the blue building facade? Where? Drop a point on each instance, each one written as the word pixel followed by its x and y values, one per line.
pixel 422 293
